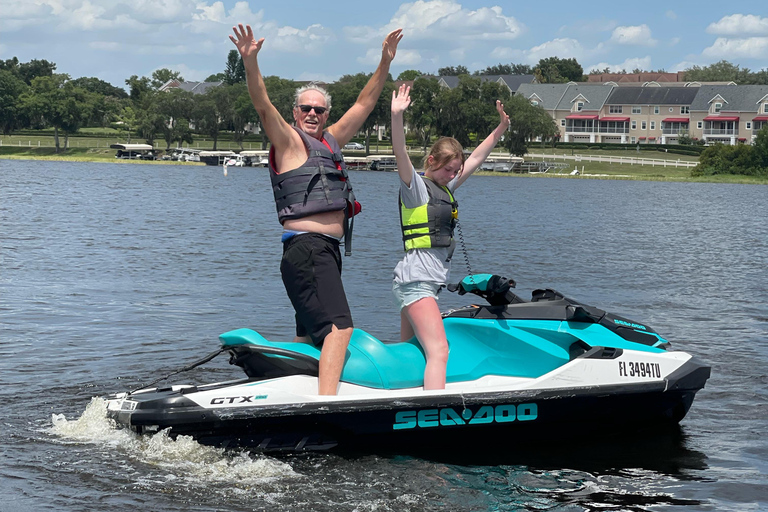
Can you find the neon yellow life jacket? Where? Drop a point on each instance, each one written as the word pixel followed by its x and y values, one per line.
pixel 431 224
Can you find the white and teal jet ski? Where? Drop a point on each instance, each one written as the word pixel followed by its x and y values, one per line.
pixel 515 368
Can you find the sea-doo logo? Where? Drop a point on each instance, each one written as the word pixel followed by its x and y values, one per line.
pixel 629 324
pixel 236 399
pixel 447 416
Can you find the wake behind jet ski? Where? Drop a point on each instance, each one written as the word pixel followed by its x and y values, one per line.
pixel 517 370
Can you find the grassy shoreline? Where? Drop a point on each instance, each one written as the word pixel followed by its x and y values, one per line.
pixel 591 170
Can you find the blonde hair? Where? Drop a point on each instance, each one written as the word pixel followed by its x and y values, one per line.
pixel 443 151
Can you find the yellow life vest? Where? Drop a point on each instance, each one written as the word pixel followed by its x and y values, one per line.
pixel 431 224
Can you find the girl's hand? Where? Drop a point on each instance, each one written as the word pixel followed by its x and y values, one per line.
pixel 503 115
pixel 401 99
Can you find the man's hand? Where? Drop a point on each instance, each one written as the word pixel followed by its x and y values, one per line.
pixel 245 42
pixel 389 46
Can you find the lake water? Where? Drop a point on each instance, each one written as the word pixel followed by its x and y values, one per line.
pixel 114 274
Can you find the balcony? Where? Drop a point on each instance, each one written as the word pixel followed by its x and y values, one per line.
pixel 614 129
pixel 721 131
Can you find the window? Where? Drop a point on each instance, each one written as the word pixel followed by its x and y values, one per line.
pixel 653 125
pixel 749 125
pixel 643 126
pixel 765 108
pixel 631 140
pixel 685 109
pixel 671 109
pixel 535 103
pixel 699 124
pixel 579 106
pixel 615 109
pixel 637 110
pixel 718 107
pixel 562 122
pixel 656 109
pixel 634 125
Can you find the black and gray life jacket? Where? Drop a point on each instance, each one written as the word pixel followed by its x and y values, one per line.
pixel 320 185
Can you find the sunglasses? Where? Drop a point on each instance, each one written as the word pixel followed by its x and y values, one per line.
pixel 308 108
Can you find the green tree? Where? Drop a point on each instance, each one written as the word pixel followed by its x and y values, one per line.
pixel 218 77
pixel 554 70
pixel 234 72
pixel 128 121
pixel 722 71
pixel 28 71
pixel 138 87
pixel 453 71
pixel 243 114
pixel 161 76
pixel 526 122
pixel 54 101
pixel 213 111
pixel 11 89
pixel 409 74
pixel 176 108
pixel 98 86
pixel 423 112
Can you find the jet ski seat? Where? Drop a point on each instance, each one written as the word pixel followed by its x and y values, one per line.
pixel 476 349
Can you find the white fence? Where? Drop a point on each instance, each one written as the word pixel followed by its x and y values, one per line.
pixel 626 160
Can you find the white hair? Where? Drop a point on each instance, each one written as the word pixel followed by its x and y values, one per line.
pixel 312 86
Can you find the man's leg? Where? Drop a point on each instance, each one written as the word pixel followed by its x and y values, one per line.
pixel 332 359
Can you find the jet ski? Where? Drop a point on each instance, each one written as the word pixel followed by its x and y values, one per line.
pixel 518 370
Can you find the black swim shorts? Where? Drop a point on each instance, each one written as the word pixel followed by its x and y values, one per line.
pixel 311 270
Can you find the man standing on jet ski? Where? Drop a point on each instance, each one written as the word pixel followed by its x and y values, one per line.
pixel 314 200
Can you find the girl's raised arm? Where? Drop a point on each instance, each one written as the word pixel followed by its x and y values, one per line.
pixel 400 101
pixel 482 151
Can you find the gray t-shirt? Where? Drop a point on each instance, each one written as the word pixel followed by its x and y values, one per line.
pixel 434 264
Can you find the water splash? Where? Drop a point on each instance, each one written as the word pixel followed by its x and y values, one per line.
pixel 182 459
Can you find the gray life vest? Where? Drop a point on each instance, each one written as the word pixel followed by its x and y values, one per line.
pixel 315 187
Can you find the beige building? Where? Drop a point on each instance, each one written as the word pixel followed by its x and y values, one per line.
pixel 607 113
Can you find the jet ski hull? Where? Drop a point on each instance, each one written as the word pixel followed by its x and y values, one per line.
pixel 227 416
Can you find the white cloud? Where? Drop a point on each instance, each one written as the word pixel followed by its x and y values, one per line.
pixel 639 35
pixel 628 65
pixel 508 54
pixel 750 48
pixel 682 66
pixel 564 48
pixel 403 58
pixel 739 24
pixel 442 20
pixel 671 15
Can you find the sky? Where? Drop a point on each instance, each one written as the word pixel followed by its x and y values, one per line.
pixel 309 40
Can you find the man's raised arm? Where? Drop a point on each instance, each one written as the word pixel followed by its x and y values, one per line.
pixel 277 129
pixel 346 127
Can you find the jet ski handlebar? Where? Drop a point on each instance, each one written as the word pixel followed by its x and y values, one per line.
pixel 495 289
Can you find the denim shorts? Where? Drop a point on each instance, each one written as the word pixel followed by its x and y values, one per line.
pixel 408 293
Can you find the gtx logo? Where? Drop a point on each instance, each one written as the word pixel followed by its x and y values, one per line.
pixel 236 399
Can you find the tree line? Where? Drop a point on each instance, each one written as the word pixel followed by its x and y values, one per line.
pixel 34 96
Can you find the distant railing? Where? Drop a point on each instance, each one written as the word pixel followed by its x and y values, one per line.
pixel 653 162
pixel 721 131
pixel 609 129
pixel 580 129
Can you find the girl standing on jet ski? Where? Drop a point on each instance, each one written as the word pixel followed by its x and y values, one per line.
pixel 428 214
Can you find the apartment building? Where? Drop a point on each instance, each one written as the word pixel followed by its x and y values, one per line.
pixel 607 113
pixel 729 114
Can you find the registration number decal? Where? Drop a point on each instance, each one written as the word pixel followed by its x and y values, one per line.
pixel 639 369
